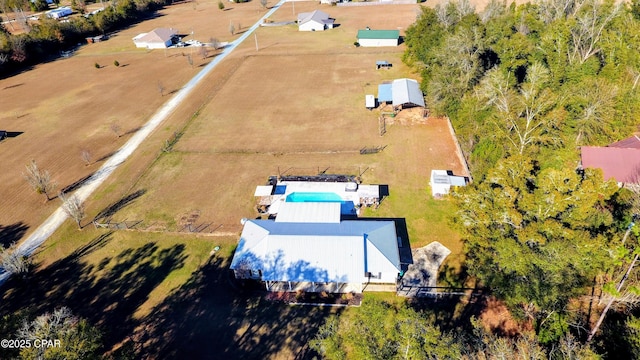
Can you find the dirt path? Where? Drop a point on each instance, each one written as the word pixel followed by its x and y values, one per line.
pixel 56 219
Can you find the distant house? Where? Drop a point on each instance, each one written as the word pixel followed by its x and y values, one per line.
pixel 159 38
pixel 619 163
pixel 317 251
pixel 59 12
pixel 375 38
pixel 401 93
pixel 442 181
pixel 314 21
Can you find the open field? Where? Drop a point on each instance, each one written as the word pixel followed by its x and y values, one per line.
pixel 295 105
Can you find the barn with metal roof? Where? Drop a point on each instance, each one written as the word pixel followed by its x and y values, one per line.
pixel 299 254
pixel 401 93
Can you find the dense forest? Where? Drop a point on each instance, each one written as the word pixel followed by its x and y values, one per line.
pixel 525 86
pixel 45 38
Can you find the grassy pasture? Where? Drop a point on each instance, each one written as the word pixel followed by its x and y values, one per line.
pixel 296 105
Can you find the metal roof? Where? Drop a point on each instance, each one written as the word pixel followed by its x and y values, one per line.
pixel 317 15
pixel 385 93
pixel 630 142
pixel 311 212
pixel 378 34
pixel 621 164
pixel 317 252
pixel 407 91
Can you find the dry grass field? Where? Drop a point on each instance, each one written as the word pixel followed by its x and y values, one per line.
pixel 296 104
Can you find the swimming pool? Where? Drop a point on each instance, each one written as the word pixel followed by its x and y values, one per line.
pixel 313 197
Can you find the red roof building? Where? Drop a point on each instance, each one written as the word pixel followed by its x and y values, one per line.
pixel 619 163
pixel 632 142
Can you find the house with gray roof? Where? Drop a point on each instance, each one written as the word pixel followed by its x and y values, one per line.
pixel 158 38
pixel 314 21
pixel 308 247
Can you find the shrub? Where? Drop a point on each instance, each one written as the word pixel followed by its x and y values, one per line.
pixel 97 65
pixel 220 5
pixel 357 44
pixel 116 63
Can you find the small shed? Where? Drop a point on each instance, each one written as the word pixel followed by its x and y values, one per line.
pixel 370 102
pixel 442 181
pixel 377 38
pixel 382 64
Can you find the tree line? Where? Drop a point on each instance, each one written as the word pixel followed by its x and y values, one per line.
pixel 47 37
pixel 525 86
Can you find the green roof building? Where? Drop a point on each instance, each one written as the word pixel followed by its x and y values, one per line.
pixel 375 38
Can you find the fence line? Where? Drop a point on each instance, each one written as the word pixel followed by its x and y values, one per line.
pixel 375 3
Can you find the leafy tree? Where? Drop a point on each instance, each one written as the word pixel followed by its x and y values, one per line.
pixel 220 5
pixel 537 237
pixel 379 330
pixel 78 339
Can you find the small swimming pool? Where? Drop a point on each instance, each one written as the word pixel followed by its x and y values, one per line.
pixel 313 197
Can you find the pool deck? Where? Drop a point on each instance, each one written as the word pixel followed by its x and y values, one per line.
pixel 363 195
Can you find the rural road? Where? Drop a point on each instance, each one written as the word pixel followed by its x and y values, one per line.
pixel 40 235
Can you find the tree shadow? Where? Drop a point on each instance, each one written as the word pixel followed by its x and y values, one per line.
pixel 10 234
pixel 75 185
pixel 244 325
pixel 110 210
pixel 107 294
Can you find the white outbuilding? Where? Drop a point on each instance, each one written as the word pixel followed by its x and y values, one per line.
pixel 442 181
pixel 376 38
pixel 159 38
pixel 314 21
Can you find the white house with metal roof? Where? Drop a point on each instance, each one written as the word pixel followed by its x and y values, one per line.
pixel 314 21
pixel 317 253
pixel 158 38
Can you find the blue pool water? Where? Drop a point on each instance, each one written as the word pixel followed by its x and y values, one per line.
pixel 313 197
pixel 346 207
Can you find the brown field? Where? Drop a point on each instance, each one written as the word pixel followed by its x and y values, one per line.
pixel 295 105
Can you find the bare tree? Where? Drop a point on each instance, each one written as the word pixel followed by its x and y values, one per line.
pixel 203 52
pixel 522 114
pixel 232 29
pixel 86 156
pixel 190 60
pixel 588 28
pixel 13 261
pixel 160 88
pixel 73 207
pixel 263 3
pixel 116 129
pixel 40 180
pixel 215 43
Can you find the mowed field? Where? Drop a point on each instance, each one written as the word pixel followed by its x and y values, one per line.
pixel 293 105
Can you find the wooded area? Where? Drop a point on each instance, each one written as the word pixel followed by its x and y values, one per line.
pixel 525 86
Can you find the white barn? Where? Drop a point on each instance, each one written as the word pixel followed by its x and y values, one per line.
pixel 159 38
pixel 309 248
pixel 314 21
pixel 377 38
pixel 442 181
